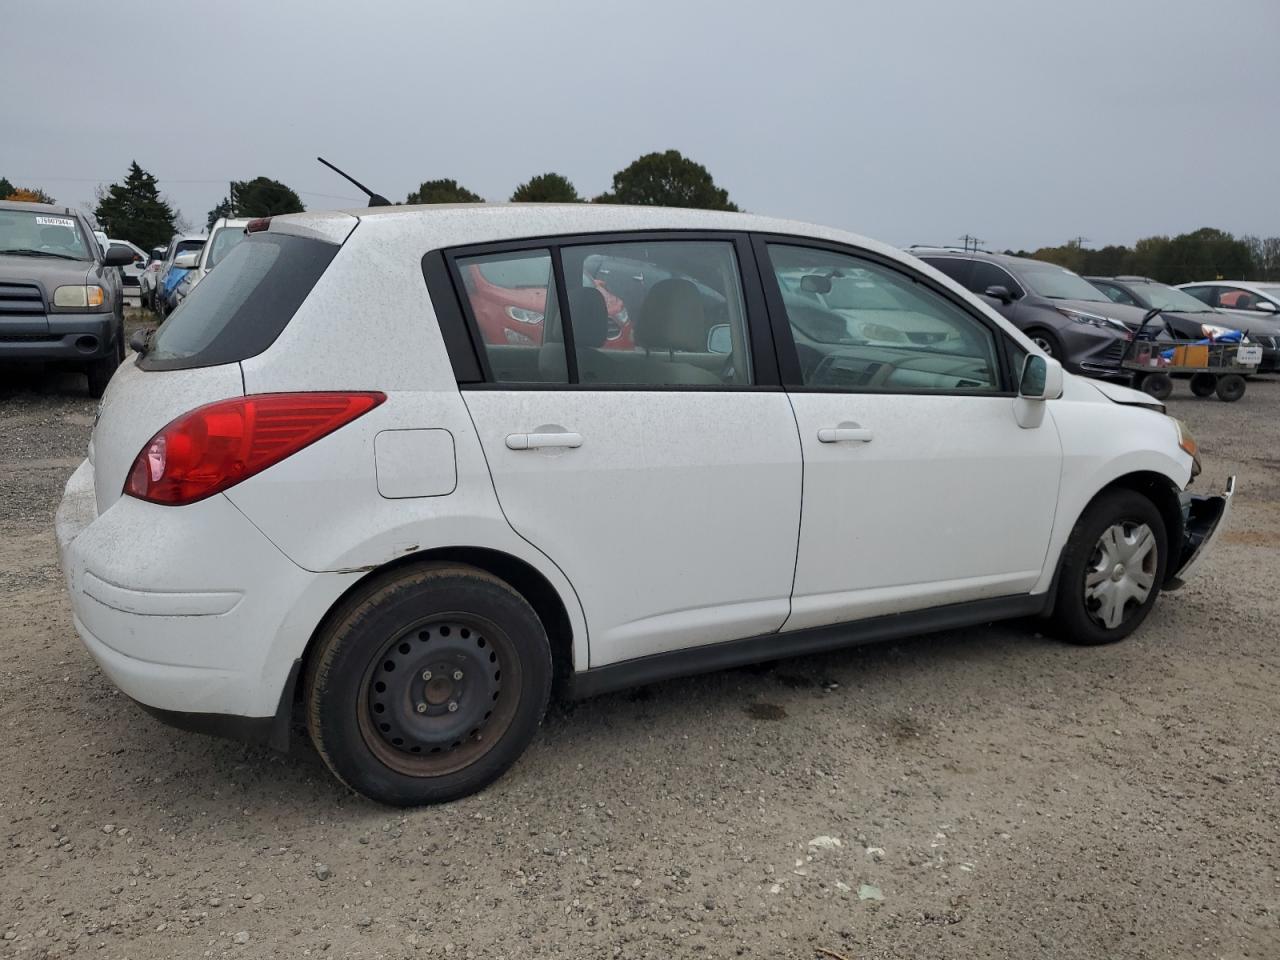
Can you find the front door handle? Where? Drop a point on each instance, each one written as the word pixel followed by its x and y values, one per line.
pixel 842 434
pixel 532 441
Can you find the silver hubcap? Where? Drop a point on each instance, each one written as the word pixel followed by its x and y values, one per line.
pixel 1043 344
pixel 1121 573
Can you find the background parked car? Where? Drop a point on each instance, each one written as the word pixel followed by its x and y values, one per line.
pixel 61 298
pixel 131 272
pixel 223 236
pixel 148 278
pixel 1253 307
pixel 1066 316
pixel 170 273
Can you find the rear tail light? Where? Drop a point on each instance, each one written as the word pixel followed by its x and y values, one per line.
pixel 216 446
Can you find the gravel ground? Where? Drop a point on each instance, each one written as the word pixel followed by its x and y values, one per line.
pixel 983 793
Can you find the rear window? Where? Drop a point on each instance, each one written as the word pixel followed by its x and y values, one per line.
pixel 238 310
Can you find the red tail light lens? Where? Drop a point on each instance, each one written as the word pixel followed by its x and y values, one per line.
pixel 216 446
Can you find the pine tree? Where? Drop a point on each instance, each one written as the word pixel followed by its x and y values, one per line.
pixel 134 210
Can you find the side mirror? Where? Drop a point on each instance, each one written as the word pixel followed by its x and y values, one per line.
pixel 117 255
pixel 720 340
pixel 815 283
pixel 1041 378
pixel 999 292
pixel 187 261
pixel 140 341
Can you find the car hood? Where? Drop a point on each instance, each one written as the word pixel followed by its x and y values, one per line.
pixel 49 272
pixel 1131 317
pixel 1126 395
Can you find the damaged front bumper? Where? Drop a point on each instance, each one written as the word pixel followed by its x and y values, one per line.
pixel 1204 517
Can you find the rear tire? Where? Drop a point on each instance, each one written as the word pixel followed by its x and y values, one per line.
pixel 1203 384
pixel 428 684
pixel 1231 387
pixel 1112 568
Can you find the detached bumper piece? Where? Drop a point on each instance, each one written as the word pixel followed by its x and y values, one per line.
pixel 1204 518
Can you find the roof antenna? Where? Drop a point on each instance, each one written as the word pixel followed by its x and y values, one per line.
pixel 375 199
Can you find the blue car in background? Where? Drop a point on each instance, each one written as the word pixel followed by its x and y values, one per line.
pixel 171 274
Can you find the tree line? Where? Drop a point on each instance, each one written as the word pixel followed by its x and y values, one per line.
pixel 1204 254
pixel 136 210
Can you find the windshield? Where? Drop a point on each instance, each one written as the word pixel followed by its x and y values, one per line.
pixel 1058 283
pixel 1171 298
pixel 222 242
pixel 42 234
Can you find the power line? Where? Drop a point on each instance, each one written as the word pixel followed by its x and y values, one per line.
pixel 13 178
pixel 972 243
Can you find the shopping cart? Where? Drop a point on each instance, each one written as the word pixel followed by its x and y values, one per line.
pixel 1216 366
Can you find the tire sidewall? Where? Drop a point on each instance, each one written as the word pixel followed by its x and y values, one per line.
pixel 361 631
pixel 1116 506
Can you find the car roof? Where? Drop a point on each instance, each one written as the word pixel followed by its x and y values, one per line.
pixel 1243 284
pixel 450 224
pixel 957 254
pixel 38 207
pixel 229 222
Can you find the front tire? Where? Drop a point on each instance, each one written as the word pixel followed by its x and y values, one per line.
pixel 1047 341
pixel 428 684
pixel 1112 568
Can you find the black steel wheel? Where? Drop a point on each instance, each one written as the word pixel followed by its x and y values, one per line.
pixel 1231 387
pixel 1203 384
pixel 427 684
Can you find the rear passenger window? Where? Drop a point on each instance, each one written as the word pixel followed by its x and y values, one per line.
pixel 657 313
pixel 512 300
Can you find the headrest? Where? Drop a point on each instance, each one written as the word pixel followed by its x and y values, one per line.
pixel 672 318
pixel 589 316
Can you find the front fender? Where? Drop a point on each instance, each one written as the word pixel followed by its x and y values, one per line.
pixel 1103 444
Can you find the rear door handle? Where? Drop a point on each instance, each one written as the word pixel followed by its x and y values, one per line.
pixel 841 434
pixel 532 441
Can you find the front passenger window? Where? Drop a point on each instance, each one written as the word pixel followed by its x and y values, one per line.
pixel 859 325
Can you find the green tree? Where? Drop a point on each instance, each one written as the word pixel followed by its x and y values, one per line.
pixel 134 210
pixel 443 191
pixel 546 188
pixel 6 187
pixel 260 197
pixel 667 180
pixel 223 209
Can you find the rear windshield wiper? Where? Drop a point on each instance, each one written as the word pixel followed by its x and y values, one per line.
pixel 28 252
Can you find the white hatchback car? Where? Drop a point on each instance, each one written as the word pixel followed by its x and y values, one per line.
pixel 335 478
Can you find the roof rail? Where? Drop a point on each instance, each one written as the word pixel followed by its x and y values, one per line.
pixel 948 247
pixel 1133 278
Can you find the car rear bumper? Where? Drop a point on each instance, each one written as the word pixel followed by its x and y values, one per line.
pixel 59 336
pixel 1204 519
pixel 190 611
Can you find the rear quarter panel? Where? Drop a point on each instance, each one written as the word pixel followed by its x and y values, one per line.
pixel 369 325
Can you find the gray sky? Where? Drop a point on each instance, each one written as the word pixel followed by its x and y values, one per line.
pixel 1025 122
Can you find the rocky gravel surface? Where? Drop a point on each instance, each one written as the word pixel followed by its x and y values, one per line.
pixel 980 793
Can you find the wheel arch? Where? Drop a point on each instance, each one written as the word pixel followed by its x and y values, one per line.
pixel 1157 487
pixel 525 578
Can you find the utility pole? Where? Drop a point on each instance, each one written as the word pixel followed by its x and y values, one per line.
pixel 971 242
pixel 1077 241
